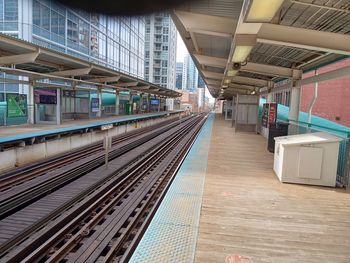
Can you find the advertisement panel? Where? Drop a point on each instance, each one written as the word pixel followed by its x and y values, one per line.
pixel 95 105
pixel 154 102
pixel 69 93
pixel 16 105
pixel 265 115
pixel 272 113
pixel 45 96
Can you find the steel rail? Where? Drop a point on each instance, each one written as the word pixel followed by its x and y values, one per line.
pixel 14 200
pixel 36 169
pixel 50 217
pixel 75 238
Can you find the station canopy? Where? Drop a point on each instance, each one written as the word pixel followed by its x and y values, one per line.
pixel 43 67
pixel 247 47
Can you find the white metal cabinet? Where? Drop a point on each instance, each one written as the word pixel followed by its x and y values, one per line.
pixel 307 158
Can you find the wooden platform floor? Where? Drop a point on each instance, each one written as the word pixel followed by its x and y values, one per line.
pixel 247 212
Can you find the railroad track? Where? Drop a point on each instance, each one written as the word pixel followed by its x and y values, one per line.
pixel 12 199
pixel 125 197
pixel 28 172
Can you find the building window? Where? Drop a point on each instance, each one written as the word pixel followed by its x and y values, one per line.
pixel 83 33
pixel 9 10
pixel 164 63
pixel 165 48
pixel 72 31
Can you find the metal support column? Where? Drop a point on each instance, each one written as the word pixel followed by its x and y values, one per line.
pixel 131 104
pixel 148 102
pixel 294 109
pixel 31 105
pixel 269 98
pixel 99 95
pixel 314 99
pixel 294 104
pixel 160 102
pixel 58 108
pixel 117 102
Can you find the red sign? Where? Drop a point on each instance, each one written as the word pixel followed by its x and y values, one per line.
pixel 272 113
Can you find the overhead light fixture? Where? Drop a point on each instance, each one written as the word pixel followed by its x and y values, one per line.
pixel 263 10
pixel 231 73
pixel 241 53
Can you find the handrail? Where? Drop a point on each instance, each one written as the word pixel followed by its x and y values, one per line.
pixel 311 125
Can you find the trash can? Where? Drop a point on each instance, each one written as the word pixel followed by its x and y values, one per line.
pixel 276 130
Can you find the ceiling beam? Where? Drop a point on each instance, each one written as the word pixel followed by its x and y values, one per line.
pixel 141 87
pixel 207 24
pixel 240 86
pixel 304 38
pixel 271 70
pixel 15 81
pixel 212 75
pixel 235 90
pixel 250 81
pixel 19 59
pixel 211 61
pixel 72 72
pixel 213 82
pixel 127 84
pixel 194 41
pixel 106 79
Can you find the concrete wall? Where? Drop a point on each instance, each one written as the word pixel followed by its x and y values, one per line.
pixel 20 156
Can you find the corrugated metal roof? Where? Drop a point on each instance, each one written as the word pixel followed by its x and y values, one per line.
pixel 225 8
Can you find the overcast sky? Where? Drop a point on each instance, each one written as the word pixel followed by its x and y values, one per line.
pixel 180 54
pixel 181 49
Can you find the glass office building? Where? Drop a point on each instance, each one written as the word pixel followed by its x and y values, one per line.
pixel 189 75
pixel 114 42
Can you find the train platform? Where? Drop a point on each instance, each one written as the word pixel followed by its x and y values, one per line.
pixel 28 131
pixel 227 205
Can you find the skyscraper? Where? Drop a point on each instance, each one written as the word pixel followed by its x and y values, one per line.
pixel 160 50
pixel 114 42
pixel 179 72
pixel 190 75
pixel 201 93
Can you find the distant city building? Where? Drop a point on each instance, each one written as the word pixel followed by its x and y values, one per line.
pixel 201 93
pixel 201 83
pixel 179 72
pixel 189 75
pixel 201 99
pixel 160 50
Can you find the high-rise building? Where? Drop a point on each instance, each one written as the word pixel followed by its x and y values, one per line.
pixel 189 75
pixel 201 99
pixel 114 42
pixel 179 69
pixel 201 83
pixel 201 93
pixel 160 50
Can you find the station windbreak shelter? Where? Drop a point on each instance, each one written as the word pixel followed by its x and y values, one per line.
pixel 62 87
pixel 262 47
